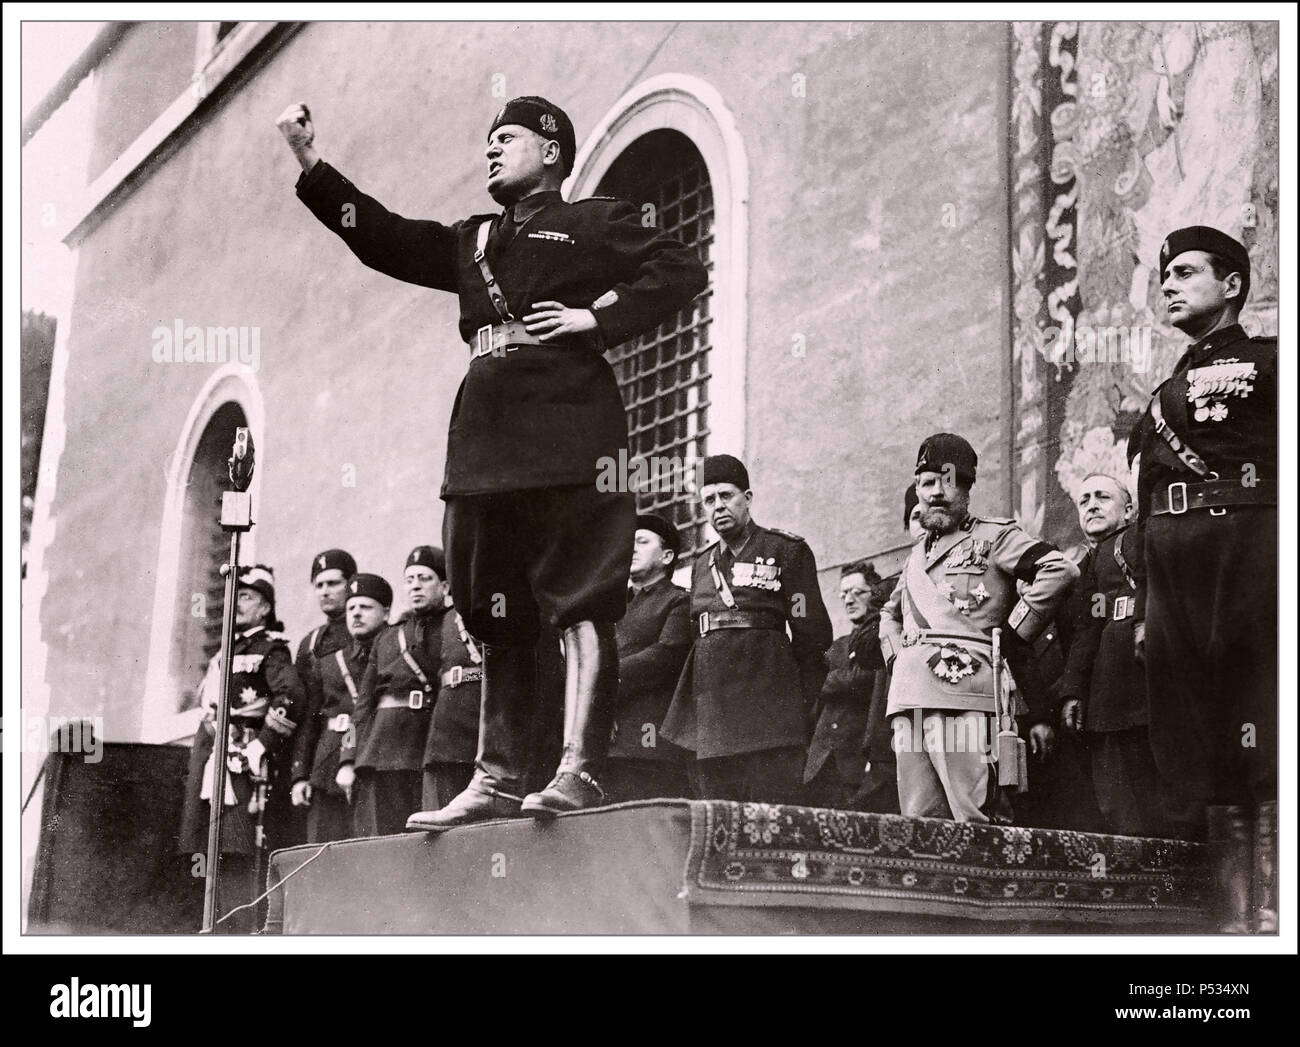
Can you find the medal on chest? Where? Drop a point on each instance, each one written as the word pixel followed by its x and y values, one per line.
pixel 246 663
pixel 1209 388
pixel 761 574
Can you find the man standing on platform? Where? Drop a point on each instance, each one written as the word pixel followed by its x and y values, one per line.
pixel 394 704
pixel 959 584
pixel 328 725
pixel 1104 685
pixel 1207 502
pixel 836 761
pixel 653 640
pixel 330 573
pixel 749 686
pixel 545 288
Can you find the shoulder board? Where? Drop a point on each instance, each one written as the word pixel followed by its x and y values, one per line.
pixel 1269 340
pixel 603 200
pixel 996 521
pixel 785 534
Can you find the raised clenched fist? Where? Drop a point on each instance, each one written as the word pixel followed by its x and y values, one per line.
pixel 296 126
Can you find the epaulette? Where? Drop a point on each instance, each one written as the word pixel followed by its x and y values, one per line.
pixel 999 521
pixel 603 199
pixel 786 534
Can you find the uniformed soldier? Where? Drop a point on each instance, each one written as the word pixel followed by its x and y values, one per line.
pixel 544 289
pixel 1104 685
pixel 330 571
pixel 959 584
pixel 452 742
pixel 835 767
pixel 653 640
pixel 266 699
pixel 1207 502
pixel 748 687
pixel 331 698
pixel 394 704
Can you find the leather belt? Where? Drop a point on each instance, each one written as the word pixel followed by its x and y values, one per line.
pixel 339 723
pixel 1215 495
pixel 930 636
pixel 711 621
pixel 499 339
pixel 459 674
pixel 415 700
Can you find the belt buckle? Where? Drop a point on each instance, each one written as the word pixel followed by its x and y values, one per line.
pixel 339 722
pixel 704 624
pixel 482 342
pixel 455 675
pixel 1121 608
pixel 415 700
pixel 1181 488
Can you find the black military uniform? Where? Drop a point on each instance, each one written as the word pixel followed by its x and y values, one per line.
pixel 532 421
pixel 835 768
pixel 747 689
pixel 266 698
pixel 1207 499
pixel 1103 672
pixel 654 638
pixel 328 725
pixel 392 712
pixel 290 825
pixel 452 742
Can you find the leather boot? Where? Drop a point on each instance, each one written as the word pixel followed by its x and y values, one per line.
pixel 590 689
pixel 1228 837
pixel 1265 900
pixel 504 728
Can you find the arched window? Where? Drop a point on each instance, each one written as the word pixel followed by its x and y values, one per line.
pixel 671 141
pixel 664 375
pixel 204 546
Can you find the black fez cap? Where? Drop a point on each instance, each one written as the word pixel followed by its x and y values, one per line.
pixel 664 529
pixel 429 556
pixel 948 449
pixel 373 586
pixel 333 560
pixel 546 118
pixel 1206 238
pixel 725 469
pixel 909 503
pixel 260 579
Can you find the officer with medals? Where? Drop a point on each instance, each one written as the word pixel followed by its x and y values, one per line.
pixel 266 700
pixel 958 585
pixel 544 288
pixel 330 572
pixel 653 640
pixel 1104 685
pixel 753 677
pixel 1207 502
pixel 382 769
pixel 326 727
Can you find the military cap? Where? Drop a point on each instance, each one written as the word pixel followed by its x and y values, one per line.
pixel 546 118
pixel 1207 238
pixel 725 469
pixel 372 586
pixel 429 556
pixel 948 449
pixel 333 560
pixel 909 503
pixel 663 528
pixel 259 578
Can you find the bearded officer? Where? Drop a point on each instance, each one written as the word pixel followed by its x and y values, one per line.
pixel 748 688
pixel 266 700
pixel 958 585
pixel 328 724
pixel 1207 502
pixel 544 289
pixel 330 572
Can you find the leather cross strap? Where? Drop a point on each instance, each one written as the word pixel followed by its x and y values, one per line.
pixel 1122 564
pixel 493 288
pixel 347 676
pixel 1176 443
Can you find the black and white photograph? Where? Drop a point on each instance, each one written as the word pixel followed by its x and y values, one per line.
pixel 504 474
